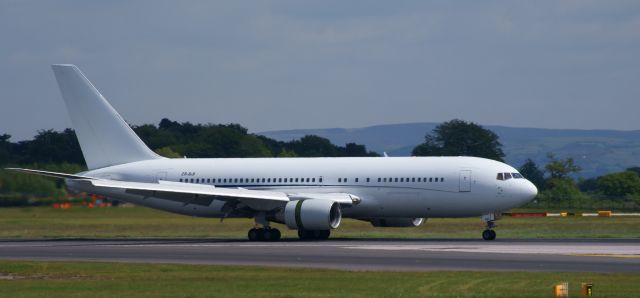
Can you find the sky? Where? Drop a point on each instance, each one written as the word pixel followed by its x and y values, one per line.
pixel 271 65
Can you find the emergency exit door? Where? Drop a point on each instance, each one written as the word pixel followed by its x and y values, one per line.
pixel 465 180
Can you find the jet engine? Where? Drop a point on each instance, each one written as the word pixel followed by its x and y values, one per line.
pixel 312 214
pixel 397 222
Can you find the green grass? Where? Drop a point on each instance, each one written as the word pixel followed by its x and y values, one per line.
pixel 78 279
pixel 46 222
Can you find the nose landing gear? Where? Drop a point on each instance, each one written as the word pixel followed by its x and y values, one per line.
pixel 489 233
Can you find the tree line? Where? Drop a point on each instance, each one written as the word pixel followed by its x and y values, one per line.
pixel 60 151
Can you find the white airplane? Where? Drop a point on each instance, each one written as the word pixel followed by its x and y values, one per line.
pixel 310 195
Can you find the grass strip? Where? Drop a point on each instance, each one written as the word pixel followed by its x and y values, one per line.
pixel 46 222
pixel 87 279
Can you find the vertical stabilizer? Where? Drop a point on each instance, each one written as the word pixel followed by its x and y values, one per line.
pixel 105 138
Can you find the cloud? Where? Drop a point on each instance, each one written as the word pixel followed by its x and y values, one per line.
pixel 289 64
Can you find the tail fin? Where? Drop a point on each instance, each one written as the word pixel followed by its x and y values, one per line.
pixel 105 138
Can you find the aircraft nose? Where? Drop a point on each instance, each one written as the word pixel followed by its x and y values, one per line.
pixel 528 191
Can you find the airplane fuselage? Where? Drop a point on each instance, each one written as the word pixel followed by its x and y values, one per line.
pixel 387 186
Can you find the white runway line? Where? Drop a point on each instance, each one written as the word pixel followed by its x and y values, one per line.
pixel 622 250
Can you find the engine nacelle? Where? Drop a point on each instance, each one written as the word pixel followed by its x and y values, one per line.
pixel 312 214
pixel 396 222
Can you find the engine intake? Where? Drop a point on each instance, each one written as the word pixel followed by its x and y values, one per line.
pixel 312 214
pixel 395 222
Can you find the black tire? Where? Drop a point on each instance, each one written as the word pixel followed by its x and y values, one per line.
pixel 253 235
pixel 267 235
pixel 323 234
pixel 314 234
pixel 304 235
pixel 488 235
pixel 276 234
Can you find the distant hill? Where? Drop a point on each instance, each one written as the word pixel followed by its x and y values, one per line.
pixel 598 152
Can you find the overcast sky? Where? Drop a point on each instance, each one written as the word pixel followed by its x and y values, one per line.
pixel 314 64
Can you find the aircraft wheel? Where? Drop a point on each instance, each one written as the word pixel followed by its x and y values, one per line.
pixel 489 235
pixel 276 234
pixel 323 234
pixel 270 235
pixel 314 234
pixel 304 235
pixel 254 234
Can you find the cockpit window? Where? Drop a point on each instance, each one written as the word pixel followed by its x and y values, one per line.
pixel 507 176
pixel 517 176
pixel 500 176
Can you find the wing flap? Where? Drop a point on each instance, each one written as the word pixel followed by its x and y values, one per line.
pixel 194 189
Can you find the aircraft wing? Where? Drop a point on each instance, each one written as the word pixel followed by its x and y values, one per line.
pixel 197 193
pixel 200 194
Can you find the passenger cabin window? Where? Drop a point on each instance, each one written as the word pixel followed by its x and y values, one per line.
pixel 356 180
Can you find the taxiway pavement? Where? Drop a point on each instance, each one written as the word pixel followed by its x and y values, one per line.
pixel 346 254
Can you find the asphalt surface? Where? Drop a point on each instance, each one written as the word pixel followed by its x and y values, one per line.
pixel 346 254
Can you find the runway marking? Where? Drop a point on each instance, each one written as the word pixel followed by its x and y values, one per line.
pixel 632 251
pixel 609 255
pixel 575 249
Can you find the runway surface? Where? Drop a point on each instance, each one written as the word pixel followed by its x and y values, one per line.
pixel 346 254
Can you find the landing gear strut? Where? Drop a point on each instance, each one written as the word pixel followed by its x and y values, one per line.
pixel 489 233
pixel 264 233
pixel 314 234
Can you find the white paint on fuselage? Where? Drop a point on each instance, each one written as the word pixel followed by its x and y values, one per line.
pixel 379 199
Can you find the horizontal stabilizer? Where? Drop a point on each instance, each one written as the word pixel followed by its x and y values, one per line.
pixel 50 174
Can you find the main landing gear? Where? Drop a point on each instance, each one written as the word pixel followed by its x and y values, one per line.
pixel 264 233
pixel 314 234
pixel 489 233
